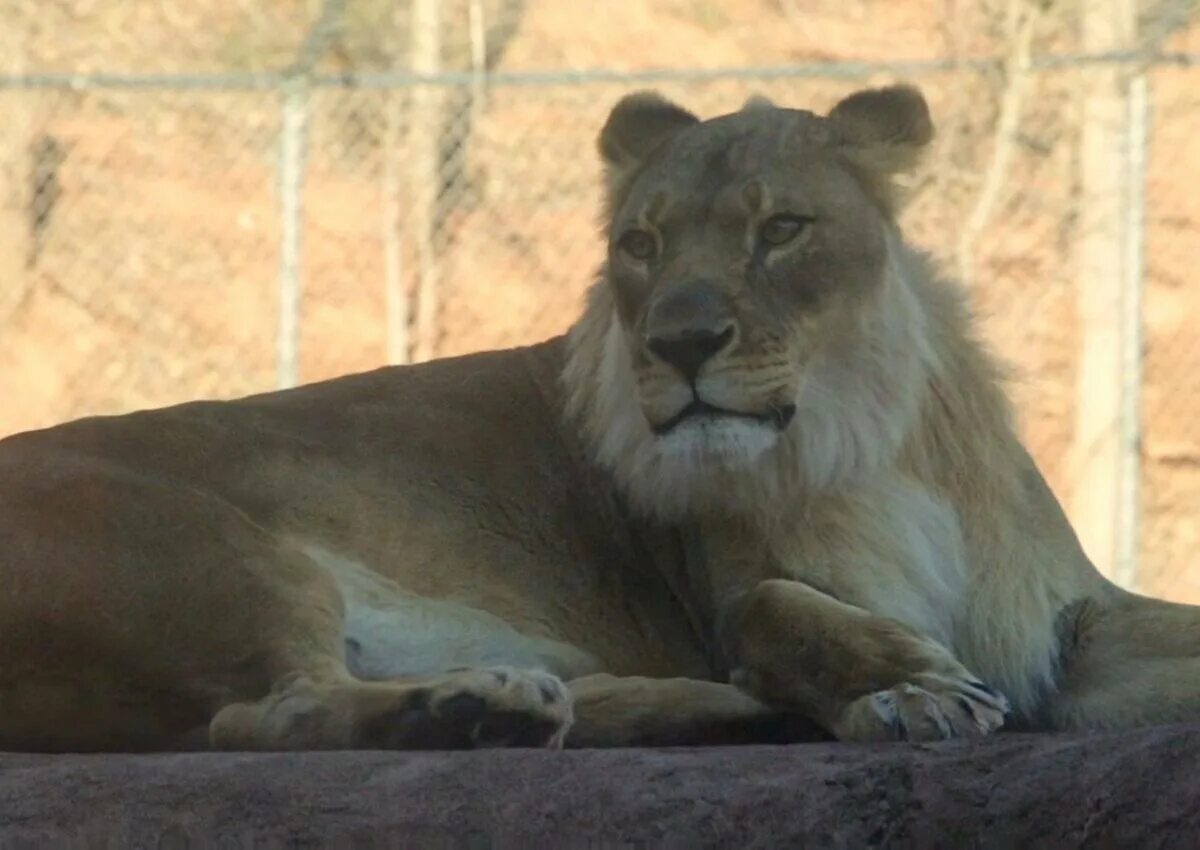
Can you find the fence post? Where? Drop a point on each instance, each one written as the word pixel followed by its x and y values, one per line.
pixel 395 292
pixel 292 153
pixel 1125 570
pixel 425 170
pixel 478 57
pixel 1099 460
pixel 395 295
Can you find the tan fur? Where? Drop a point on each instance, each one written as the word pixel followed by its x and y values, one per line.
pixel 851 530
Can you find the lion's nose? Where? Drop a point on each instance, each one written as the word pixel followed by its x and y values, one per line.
pixel 691 349
pixel 689 324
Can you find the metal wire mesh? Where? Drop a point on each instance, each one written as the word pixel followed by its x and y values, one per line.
pixel 147 224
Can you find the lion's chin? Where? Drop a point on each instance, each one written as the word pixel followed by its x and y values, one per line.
pixel 727 441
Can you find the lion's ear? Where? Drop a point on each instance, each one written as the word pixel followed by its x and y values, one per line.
pixel 885 130
pixel 638 124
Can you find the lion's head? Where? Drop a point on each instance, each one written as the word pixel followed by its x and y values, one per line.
pixel 754 334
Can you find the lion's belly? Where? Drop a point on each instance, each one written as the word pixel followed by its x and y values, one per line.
pixel 415 637
pixel 391 634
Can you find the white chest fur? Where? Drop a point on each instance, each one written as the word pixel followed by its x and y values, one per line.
pixel 889 547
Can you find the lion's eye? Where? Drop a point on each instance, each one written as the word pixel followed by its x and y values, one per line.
pixel 638 244
pixel 781 229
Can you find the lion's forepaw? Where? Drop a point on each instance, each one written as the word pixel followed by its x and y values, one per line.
pixel 937 709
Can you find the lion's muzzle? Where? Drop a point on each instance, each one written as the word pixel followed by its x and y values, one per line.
pixel 688 324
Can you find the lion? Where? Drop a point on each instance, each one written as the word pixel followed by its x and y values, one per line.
pixel 770 477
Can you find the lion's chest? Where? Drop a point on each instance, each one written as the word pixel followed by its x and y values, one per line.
pixel 890 548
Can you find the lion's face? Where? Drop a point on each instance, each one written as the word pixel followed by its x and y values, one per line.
pixel 739 249
pixel 746 256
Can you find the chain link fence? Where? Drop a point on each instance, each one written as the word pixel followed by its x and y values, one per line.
pixel 411 186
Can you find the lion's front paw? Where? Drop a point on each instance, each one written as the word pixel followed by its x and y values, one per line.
pixel 490 707
pixel 938 709
pixel 505 707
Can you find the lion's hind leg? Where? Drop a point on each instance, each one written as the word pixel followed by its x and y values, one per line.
pixel 170 610
pixel 1126 660
pixel 316 701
